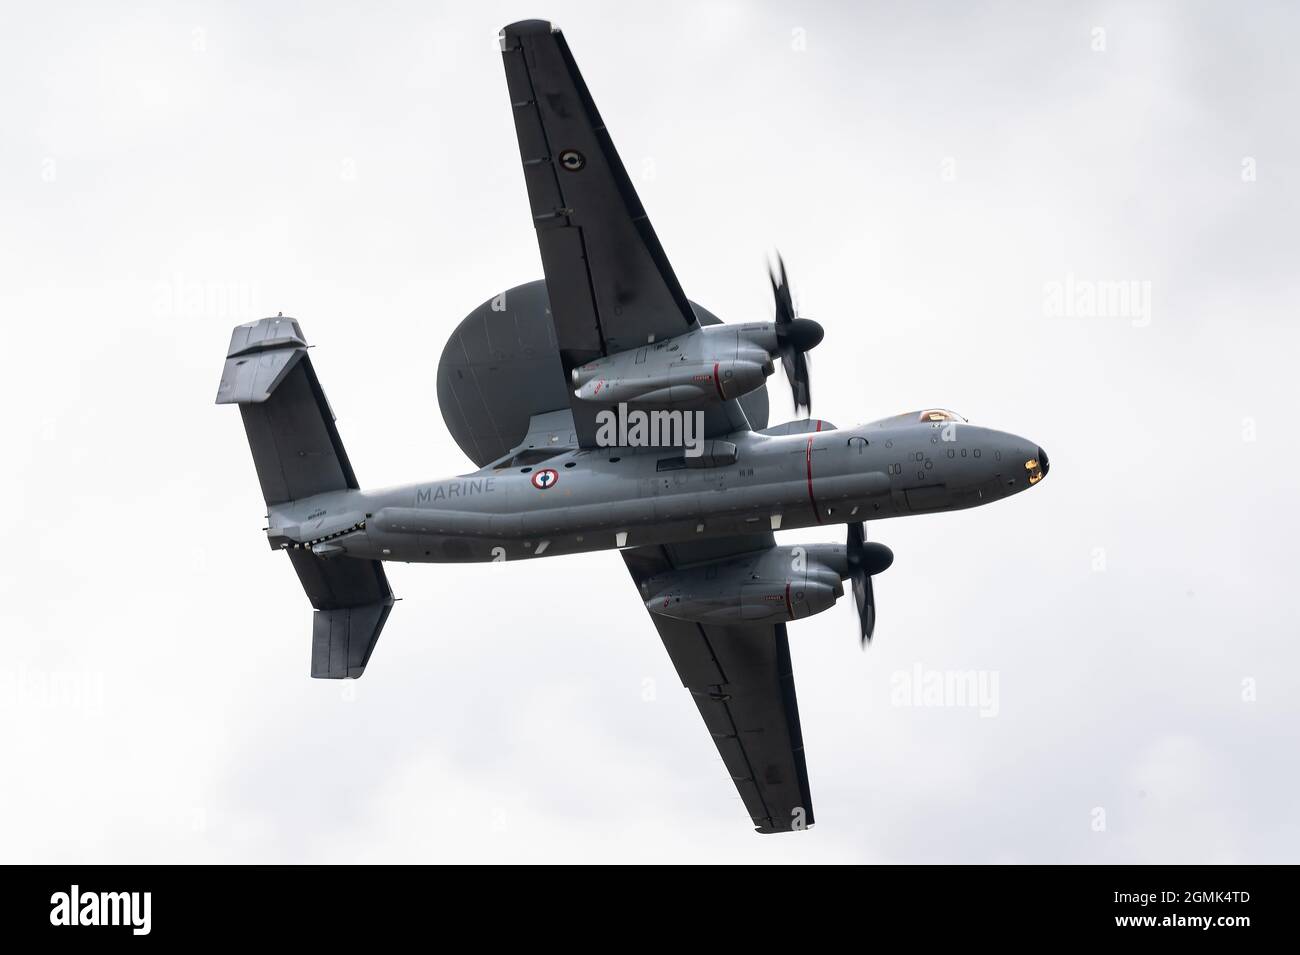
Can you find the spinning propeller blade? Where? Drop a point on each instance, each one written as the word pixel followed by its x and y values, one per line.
pixel 865 561
pixel 795 337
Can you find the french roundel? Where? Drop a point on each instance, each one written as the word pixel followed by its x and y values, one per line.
pixel 545 478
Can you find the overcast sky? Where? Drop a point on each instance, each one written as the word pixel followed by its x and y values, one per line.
pixel 936 177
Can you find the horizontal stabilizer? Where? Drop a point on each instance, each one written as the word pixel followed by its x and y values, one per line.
pixel 296 447
pixel 298 454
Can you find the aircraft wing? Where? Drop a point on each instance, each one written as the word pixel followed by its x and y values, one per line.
pixel 611 286
pixel 743 684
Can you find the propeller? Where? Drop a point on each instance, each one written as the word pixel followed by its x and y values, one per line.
pixel 795 337
pixel 865 561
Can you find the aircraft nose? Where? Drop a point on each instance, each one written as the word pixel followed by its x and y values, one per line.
pixel 1042 460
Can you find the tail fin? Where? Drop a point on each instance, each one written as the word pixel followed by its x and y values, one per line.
pixel 298 454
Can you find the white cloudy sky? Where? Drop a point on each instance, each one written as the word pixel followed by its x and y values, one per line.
pixel 170 170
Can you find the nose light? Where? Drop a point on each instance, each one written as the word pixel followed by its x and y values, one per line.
pixel 1037 467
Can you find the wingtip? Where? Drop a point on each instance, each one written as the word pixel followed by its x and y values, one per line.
pixel 513 31
pixel 527 28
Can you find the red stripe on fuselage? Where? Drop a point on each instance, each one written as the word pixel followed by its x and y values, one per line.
pixel 788 607
pixel 717 382
pixel 808 460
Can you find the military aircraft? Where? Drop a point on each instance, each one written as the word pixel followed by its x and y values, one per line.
pixel 527 384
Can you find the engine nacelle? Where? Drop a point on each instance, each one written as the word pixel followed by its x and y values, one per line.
pixel 684 385
pixel 783 583
pixel 706 366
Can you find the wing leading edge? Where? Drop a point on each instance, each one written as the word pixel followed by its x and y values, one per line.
pixel 742 681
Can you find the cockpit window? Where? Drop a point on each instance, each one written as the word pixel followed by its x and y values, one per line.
pixel 935 416
pixel 939 414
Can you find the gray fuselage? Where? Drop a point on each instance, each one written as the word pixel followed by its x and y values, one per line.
pixel 606 498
